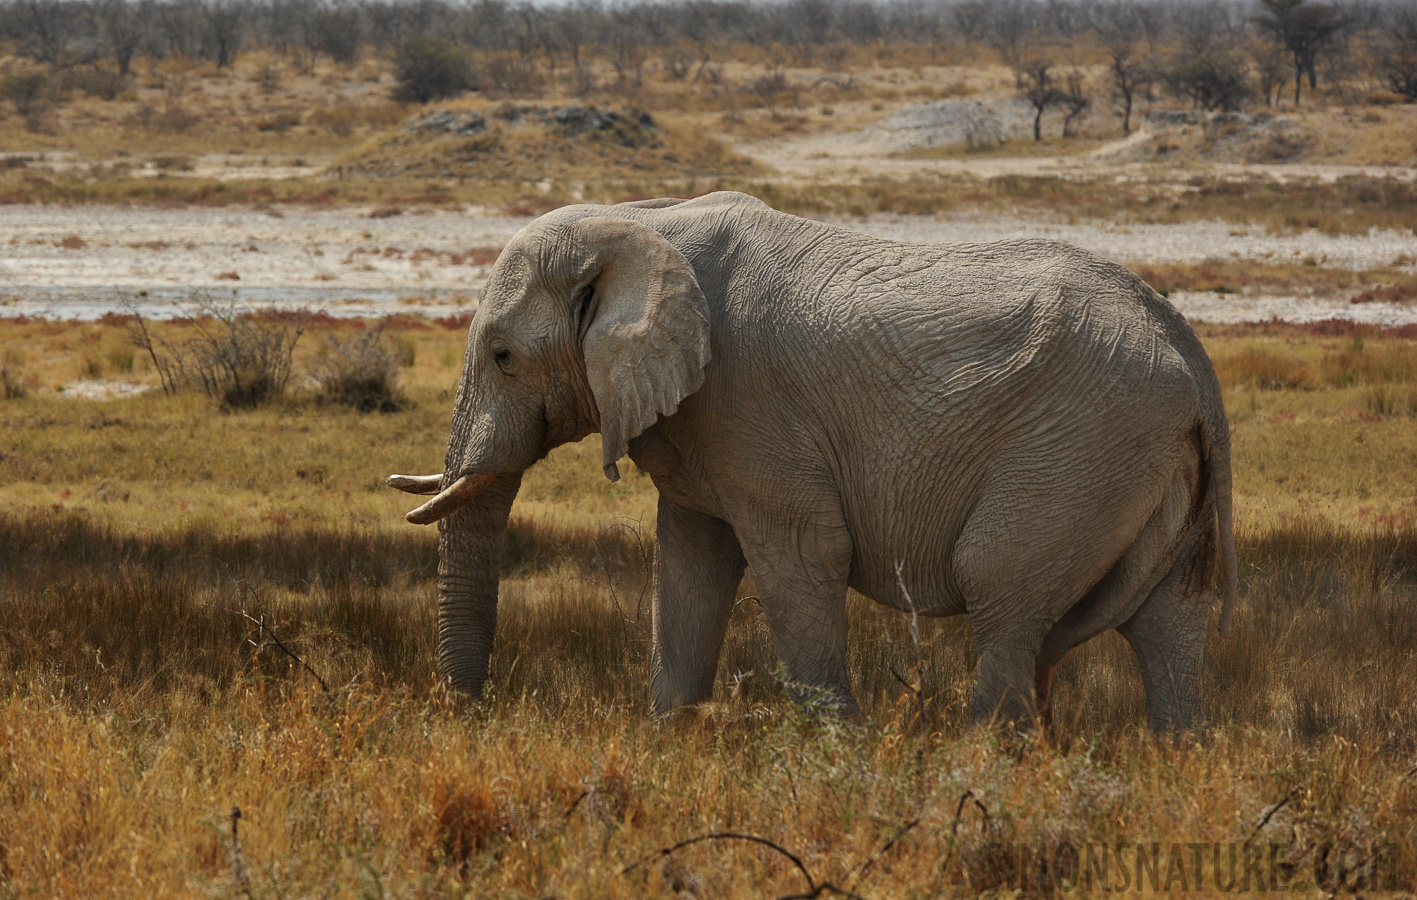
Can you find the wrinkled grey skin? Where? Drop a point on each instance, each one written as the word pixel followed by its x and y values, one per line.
pixel 1018 431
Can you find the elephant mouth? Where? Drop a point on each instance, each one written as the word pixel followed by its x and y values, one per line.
pixel 447 501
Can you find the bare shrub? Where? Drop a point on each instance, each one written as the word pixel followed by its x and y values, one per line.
pixel 510 74
pixel 240 358
pixel 361 371
pixel 430 69
pixel 96 81
pixel 171 116
pixel 773 89
pixel 32 92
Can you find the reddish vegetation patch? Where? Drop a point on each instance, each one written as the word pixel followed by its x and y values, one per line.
pixel 535 207
pixel 1387 293
pixel 228 276
pixel 1327 328
pixel 454 322
pixel 477 256
pixel 318 319
pixel 432 198
pixel 401 322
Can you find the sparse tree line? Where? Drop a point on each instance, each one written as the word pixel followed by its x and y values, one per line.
pixel 1215 54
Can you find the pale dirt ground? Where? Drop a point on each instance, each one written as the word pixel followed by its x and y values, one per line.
pixel 849 156
pixel 869 141
pixel 217 166
pixel 82 262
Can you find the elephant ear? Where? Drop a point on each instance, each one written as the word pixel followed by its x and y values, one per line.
pixel 644 329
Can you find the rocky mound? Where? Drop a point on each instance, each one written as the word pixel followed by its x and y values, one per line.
pixel 974 123
pixel 533 142
pixel 1221 137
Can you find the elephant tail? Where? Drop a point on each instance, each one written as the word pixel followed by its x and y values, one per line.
pixel 1216 436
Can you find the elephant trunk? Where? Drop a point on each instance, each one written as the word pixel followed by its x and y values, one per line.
pixel 470 560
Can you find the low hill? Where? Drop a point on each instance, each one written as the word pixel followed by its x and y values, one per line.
pixel 529 142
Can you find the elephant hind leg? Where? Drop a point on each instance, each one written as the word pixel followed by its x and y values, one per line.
pixel 1043 676
pixel 1005 681
pixel 1027 562
pixel 1167 633
pixel 801 571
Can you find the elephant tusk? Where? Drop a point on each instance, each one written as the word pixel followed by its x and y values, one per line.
pixel 450 500
pixel 415 484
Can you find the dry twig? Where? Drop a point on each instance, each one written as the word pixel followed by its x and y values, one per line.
pixel 814 888
pixel 954 826
pixel 262 627
pixel 1293 792
pixel 238 863
pixel 885 848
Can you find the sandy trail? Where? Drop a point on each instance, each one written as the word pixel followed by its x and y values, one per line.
pixel 875 150
pixel 82 262
pixel 841 158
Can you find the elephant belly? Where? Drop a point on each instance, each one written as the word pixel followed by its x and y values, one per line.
pixel 905 575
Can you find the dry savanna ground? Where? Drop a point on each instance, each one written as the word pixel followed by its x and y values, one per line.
pixel 217 631
pixel 144 540
pixel 268 131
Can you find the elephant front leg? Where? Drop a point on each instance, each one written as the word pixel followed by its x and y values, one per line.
pixel 802 573
pixel 698 567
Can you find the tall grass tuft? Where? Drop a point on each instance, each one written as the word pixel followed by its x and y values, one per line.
pixel 12 383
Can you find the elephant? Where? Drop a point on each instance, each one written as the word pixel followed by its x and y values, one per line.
pixel 1019 431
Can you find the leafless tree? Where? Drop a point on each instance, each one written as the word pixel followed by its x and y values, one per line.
pixel 225 28
pixel 48 26
pixel 334 30
pixel 531 41
pixel 1009 31
pixel 1036 84
pixel 1205 26
pixel 1121 29
pixel 123 26
pixel 1270 65
pixel 625 38
pixel 1397 54
pixel 972 20
pixel 1304 29
pixel 1074 98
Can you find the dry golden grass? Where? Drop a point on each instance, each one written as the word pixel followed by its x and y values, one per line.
pixel 135 713
pixel 1383 135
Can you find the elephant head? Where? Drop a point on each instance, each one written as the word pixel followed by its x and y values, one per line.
pixel 586 324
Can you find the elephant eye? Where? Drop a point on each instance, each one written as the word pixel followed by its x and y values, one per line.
pixel 503 356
